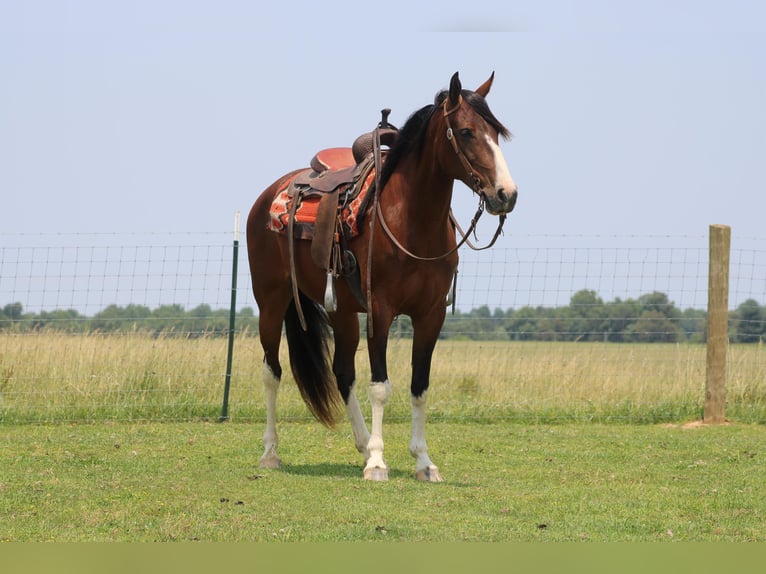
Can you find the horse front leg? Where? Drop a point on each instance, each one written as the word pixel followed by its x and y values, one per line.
pixel 425 334
pixel 378 392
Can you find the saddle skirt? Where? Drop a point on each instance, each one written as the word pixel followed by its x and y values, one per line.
pixel 353 200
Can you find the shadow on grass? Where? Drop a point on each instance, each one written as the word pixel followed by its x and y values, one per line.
pixel 354 472
pixel 327 469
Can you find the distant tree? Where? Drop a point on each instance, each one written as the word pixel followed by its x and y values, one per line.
pixel 168 318
pixel 620 316
pixel 68 320
pixel 116 318
pixel 588 318
pixel 13 311
pixel 650 318
pixel 654 327
pixel 660 303
pixel 524 325
pixel 693 325
pixel 750 322
pixel 247 320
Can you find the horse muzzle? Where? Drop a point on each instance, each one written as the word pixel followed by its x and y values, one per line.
pixel 500 202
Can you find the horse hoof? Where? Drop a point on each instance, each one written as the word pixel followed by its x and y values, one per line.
pixel 430 474
pixel 272 461
pixel 376 474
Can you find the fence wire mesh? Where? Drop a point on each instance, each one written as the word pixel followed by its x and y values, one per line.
pixel 132 327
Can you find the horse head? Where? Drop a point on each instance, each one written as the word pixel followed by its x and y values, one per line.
pixel 474 132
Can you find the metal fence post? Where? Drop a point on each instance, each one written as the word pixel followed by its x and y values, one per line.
pixel 232 320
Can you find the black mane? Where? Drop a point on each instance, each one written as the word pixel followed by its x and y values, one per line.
pixel 409 140
pixel 411 135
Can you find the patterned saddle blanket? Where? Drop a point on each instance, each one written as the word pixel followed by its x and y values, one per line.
pixel 353 200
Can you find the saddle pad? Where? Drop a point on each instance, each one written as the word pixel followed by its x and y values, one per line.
pixel 351 213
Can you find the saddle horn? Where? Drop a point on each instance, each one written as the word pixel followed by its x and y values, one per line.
pixel 387 134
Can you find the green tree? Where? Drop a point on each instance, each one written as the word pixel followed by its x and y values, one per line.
pixel 115 318
pixel 523 325
pixel 68 320
pixel 168 318
pixel 654 327
pixel 693 325
pixel 247 320
pixel 620 316
pixel 660 303
pixel 13 311
pixel 588 318
pixel 750 322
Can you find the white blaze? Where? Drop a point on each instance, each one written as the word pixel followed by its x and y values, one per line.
pixel 503 179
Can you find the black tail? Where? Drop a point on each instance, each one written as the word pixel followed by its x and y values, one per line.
pixel 310 359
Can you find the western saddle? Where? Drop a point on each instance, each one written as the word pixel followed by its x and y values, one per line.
pixel 336 172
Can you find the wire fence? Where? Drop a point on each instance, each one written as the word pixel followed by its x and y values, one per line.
pixel 547 328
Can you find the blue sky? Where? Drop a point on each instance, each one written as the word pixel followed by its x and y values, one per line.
pixel 628 117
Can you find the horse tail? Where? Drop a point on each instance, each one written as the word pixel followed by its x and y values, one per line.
pixel 310 359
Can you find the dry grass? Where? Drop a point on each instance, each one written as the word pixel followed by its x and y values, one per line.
pixel 54 377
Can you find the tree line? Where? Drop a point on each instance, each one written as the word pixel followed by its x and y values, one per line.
pixel 201 320
pixel 649 318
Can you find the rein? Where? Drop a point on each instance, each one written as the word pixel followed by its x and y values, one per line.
pixel 464 235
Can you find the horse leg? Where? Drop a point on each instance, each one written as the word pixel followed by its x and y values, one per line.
pixel 378 392
pixel 270 459
pixel 425 334
pixel 270 334
pixel 346 330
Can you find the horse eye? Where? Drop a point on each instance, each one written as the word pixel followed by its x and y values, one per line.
pixel 466 133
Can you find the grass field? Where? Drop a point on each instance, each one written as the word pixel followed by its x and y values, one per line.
pixel 112 438
pixel 504 482
pixel 49 377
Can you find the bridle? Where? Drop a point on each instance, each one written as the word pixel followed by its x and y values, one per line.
pixel 475 181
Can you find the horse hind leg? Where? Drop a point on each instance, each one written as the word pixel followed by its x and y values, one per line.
pixel 346 331
pixel 270 458
pixel 270 333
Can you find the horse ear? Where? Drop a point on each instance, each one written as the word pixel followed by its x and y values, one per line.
pixel 455 87
pixel 483 90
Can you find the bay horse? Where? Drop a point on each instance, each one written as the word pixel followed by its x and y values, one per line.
pixel 407 261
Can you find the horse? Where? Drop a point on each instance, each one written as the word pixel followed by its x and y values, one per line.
pixel 407 254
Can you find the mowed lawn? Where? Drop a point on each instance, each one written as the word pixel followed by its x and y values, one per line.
pixel 503 482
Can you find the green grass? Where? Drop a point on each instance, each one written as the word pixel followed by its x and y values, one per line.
pixel 504 482
pixel 108 459
pixel 52 377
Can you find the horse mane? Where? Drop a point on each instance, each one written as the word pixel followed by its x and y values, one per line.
pixel 411 135
pixel 409 140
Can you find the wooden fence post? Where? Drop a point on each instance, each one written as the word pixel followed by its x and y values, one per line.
pixel 717 324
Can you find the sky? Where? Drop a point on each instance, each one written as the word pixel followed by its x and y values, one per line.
pixel 643 118
pixel 638 117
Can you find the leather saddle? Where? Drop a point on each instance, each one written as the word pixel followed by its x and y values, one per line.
pixel 334 172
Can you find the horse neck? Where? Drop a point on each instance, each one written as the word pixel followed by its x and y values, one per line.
pixel 423 194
